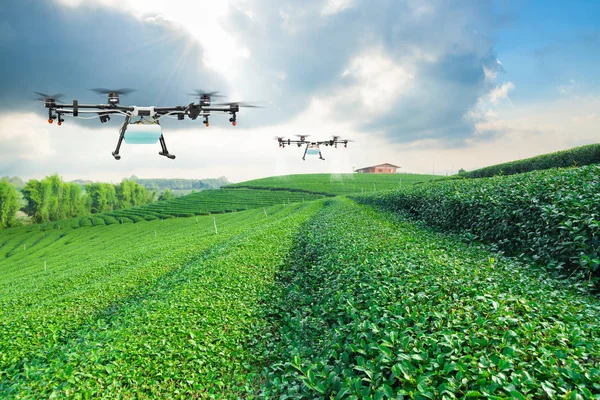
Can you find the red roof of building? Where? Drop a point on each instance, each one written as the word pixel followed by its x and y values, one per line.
pixel 381 165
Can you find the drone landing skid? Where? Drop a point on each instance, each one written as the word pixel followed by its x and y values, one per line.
pixel 163 145
pixel 164 151
pixel 306 151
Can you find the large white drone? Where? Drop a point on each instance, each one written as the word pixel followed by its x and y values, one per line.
pixel 146 129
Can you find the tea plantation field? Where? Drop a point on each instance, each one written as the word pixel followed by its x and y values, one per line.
pixel 146 310
pixel 292 298
pixel 201 203
pixel 336 184
pixel 371 306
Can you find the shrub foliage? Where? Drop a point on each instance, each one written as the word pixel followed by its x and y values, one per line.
pixel 578 156
pixel 372 308
pixel 552 216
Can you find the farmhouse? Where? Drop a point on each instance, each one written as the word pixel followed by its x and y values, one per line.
pixel 386 168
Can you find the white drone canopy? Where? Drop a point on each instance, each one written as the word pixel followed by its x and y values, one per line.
pixel 142 133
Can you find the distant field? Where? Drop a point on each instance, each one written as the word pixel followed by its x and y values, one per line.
pixel 338 184
pixel 200 203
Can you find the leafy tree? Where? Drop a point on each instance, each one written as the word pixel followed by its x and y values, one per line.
pixel 167 195
pixel 9 204
pixel 461 171
pixel 53 199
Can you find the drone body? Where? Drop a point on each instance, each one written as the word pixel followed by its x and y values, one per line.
pixel 147 129
pixel 312 148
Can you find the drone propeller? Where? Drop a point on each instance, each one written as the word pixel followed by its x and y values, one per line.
pixel 113 94
pixel 280 138
pixel 45 97
pixel 203 93
pixel 240 104
pixel 123 91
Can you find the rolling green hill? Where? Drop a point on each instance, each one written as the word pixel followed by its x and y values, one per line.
pixel 336 184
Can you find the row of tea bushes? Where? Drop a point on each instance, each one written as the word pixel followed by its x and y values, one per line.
pixel 575 157
pixel 370 307
pixel 551 216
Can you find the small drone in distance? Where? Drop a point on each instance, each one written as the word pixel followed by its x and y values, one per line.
pixel 144 130
pixel 312 148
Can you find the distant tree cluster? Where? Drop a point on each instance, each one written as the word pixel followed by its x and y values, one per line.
pixel 52 199
pixel 9 204
pixel 181 184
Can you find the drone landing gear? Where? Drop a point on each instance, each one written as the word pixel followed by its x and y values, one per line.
pixel 121 136
pixel 164 151
pixel 320 156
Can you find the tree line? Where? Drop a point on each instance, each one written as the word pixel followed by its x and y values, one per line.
pixel 52 199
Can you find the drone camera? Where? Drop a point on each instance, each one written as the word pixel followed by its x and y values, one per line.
pixel 104 118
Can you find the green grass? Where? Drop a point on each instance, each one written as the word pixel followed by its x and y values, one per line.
pixel 336 184
pixel 138 310
pixel 370 306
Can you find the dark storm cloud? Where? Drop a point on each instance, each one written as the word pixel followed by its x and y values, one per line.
pixel 50 48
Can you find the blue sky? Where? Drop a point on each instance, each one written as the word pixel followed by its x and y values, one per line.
pixel 435 84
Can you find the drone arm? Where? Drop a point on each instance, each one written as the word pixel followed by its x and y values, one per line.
pixel 91 106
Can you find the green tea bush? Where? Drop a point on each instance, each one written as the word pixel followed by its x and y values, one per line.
pixel 371 307
pixel 98 221
pixel 578 156
pixel 108 220
pixel 85 221
pixel 552 216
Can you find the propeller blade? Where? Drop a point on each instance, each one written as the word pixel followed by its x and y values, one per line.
pixel 240 104
pixel 44 96
pixel 123 91
pixel 202 93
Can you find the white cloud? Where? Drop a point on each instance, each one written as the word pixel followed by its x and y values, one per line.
pixel 377 81
pixel 500 93
pixel 335 6
pixel 24 137
pixel 202 19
